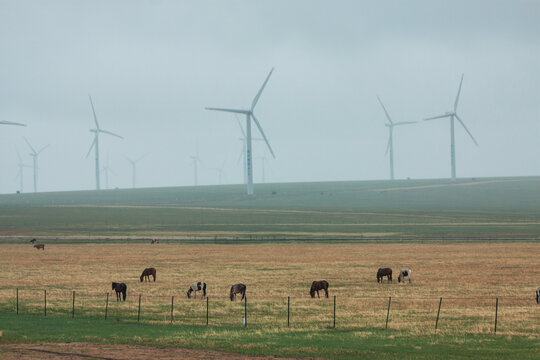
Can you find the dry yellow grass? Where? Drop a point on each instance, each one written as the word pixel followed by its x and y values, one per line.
pixel 467 276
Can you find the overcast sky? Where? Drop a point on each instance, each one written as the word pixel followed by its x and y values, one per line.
pixel 153 66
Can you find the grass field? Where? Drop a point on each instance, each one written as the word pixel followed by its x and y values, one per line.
pixel 495 208
pixel 468 276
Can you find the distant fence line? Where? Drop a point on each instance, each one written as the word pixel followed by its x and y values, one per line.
pixel 167 308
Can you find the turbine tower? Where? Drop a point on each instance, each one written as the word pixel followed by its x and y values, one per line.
pixel 34 154
pixel 390 146
pixel 95 143
pixel 196 160
pixel 107 169
pixel 220 171
pixel 250 116
pixel 242 156
pixel 134 169
pixel 20 173
pixel 453 114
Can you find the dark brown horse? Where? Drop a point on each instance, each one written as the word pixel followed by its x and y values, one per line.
pixel 120 288
pixel 147 272
pixel 382 272
pixel 318 285
pixel 33 241
pixel 238 289
pixel 40 246
pixel 154 241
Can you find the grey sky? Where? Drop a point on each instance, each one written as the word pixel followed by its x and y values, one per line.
pixel 152 67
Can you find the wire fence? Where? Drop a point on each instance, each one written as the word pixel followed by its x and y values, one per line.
pixel 510 315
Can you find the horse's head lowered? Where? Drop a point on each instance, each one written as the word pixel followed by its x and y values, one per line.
pixel 114 285
pixel 190 290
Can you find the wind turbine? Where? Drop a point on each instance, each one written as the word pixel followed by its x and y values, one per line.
pixel 107 169
pixel 249 116
pixel 196 160
pixel 220 171
pixel 134 168
pixel 263 159
pixel 95 143
pixel 20 173
pixel 390 146
pixel 242 156
pixel 453 114
pixel 34 154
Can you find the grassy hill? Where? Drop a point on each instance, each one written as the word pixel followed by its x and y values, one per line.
pixel 493 208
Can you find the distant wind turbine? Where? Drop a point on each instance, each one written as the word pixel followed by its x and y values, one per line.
pixel 263 159
pixel 95 143
pixel 134 168
pixel 107 169
pixel 390 145
pixel 453 114
pixel 34 154
pixel 196 160
pixel 220 171
pixel 20 173
pixel 249 116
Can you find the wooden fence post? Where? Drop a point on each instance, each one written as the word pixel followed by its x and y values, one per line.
pixel 45 302
pixel 388 311
pixel 438 312
pixel 172 308
pixel 334 311
pixel 496 311
pixel 288 310
pixel 106 305
pixel 207 303
pixel 139 311
pixel 245 311
pixel 73 308
pixel 17 301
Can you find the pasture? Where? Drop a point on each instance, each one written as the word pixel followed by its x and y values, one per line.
pixel 468 276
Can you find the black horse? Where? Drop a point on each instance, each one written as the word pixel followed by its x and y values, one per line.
pixel 120 288
pixel 318 285
pixel 238 289
pixel 382 272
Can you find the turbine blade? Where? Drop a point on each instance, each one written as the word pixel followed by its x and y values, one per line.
pixel 240 124
pixel 241 152
pixel 43 148
pixel 256 98
pixel 386 112
pixel 93 111
pixel 142 157
pixel 467 130
pixel 437 117
pixel 457 96
pixel 264 136
pixel 387 146
pixel 237 111
pixel 110 133
pixel 91 146
pixel 33 151
pixel 405 123
pixel 5 122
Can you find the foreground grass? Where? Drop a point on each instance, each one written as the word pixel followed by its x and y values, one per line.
pixel 338 343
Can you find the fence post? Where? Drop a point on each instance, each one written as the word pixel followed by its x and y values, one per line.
pixel 245 311
pixel 388 311
pixel 334 311
pixel 73 308
pixel 496 311
pixel 17 301
pixel 207 303
pixel 172 308
pixel 288 309
pixel 106 305
pixel 438 312
pixel 139 311
pixel 45 302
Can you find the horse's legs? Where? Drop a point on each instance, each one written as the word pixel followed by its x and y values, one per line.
pixel 326 292
pixel 318 294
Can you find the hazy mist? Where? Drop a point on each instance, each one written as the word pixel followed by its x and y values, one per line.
pixel 153 66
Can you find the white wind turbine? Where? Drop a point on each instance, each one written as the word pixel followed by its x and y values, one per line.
pixel 453 114
pixel 95 143
pixel 34 154
pixel 107 169
pixel 249 116
pixel 390 145
pixel 220 171
pixel 196 161
pixel 20 173
pixel 243 151
pixel 263 160
pixel 134 168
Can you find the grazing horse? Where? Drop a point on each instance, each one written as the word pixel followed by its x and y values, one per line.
pixel 33 241
pixel 120 288
pixel 382 272
pixel 197 286
pixel 538 295
pixel 40 246
pixel 154 241
pixel 319 285
pixel 403 273
pixel 238 289
pixel 146 274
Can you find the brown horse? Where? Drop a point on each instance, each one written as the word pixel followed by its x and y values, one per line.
pixel 382 272
pixel 40 246
pixel 238 289
pixel 120 288
pixel 318 285
pixel 147 272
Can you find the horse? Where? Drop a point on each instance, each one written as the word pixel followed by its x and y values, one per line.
pixel 238 289
pixel 318 285
pixel 33 241
pixel 538 295
pixel 120 288
pixel 382 272
pixel 40 246
pixel 197 286
pixel 147 272
pixel 154 241
pixel 403 273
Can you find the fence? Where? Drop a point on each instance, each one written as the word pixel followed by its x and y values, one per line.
pixel 452 314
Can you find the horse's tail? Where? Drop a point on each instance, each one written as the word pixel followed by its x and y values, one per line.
pixel 154 273
pixel 124 293
pixel 232 293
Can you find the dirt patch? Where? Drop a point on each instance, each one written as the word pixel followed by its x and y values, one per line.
pixel 110 352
